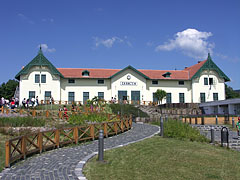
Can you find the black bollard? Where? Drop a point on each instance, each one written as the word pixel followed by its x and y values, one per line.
pixel 233 123
pixel 100 146
pixel 212 135
pixel 161 127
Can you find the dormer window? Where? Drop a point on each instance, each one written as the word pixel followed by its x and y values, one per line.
pixel 167 74
pixel 85 73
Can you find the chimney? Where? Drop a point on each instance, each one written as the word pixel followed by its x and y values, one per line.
pixel 185 67
pixel 199 62
pixel 22 67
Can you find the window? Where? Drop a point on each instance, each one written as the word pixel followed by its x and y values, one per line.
pixel 180 82
pixel 43 78
pixel 37 78
pixel 101 95
pixel 169 98
pixel 71 81
pixel 210 81
pixel 167 74
pixel 202 97
pixel 100 81
pixel 205 81
pixel 181 98
pixel 31 94
pixel 85 97
pixel 215 96
pixel 71 97
pixel 47 95
pixel 85 73
pixel 154 82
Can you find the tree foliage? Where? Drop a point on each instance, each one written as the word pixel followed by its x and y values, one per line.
pixel 160 95
pixel 7 90
pixel 230 93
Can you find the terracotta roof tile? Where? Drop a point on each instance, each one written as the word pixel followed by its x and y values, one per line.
pixel 185 74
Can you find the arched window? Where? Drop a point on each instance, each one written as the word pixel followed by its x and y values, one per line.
pixel 85 73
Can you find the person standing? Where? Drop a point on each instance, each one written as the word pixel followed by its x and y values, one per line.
pixel 238 126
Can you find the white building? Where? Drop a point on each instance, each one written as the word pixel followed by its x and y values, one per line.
pixel 201 82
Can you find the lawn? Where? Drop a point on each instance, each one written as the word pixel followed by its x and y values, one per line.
pixel 166 158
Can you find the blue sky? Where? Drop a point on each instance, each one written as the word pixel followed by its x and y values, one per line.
pixel 147 34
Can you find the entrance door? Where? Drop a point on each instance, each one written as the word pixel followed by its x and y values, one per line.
pixel 122 95
pixel 135 97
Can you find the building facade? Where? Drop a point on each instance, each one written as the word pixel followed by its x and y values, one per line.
pixel 201 82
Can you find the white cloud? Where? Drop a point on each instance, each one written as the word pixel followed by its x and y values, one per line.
pixel 47 20
pixel 25 18
pixel 191 42
pixel 45 48
pixel 108 43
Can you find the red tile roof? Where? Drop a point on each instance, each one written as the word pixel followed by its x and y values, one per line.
pixel 185 74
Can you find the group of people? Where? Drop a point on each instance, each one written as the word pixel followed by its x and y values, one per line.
pixel 33 102
pixel 13 103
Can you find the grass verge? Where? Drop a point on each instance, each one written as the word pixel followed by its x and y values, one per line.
pixel 166 158
pixel 127 109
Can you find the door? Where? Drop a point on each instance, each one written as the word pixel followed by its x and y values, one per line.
pixel 122 95
pixel 85 97
pixel 135 97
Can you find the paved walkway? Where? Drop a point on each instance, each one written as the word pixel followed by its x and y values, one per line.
pixel 61 163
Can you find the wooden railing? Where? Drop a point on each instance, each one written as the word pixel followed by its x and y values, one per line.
pixel 210 119
pixel 21 147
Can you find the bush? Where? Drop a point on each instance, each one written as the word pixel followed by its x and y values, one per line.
pixel 21 122
pixel 127 109
pixel 179 130
pixel 85 118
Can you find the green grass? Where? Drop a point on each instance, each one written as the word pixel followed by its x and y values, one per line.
pixel 166 158
pixel 21 122
pixel 127 109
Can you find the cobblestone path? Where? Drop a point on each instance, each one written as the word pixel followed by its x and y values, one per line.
pixel 61 163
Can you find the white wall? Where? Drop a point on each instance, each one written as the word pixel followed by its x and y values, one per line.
pixel 170 86
pixel 85 85
pixel 27 83
pixel 199 87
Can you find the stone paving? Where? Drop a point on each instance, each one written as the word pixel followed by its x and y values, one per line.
pixel 61 163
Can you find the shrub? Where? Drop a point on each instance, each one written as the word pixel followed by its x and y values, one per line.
pixel 127 109
pixel 85 118
pixel 178 129
pixel 21 122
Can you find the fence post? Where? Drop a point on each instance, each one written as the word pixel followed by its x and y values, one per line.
pixel 23 147
pixel 7 153
pixel 57 137
pixel 75 133
pixel 190 120
pixel 196 120
pixel 40 142
pixel 60 114
pixel 47 113
pixel 105 130
pixel 161 127
pixel 20 111
pixel 92 131
pixel 216 120
pixel 115 127
pixel 202 118
pixel 2 110
pixel 122 126
pixel 34 113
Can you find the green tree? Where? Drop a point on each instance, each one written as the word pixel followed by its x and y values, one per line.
pixel 230 93
pixel 160 95
pixel 7 90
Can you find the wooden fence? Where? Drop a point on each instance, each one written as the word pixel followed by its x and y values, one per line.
pixel 21 147
pixel 210 120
